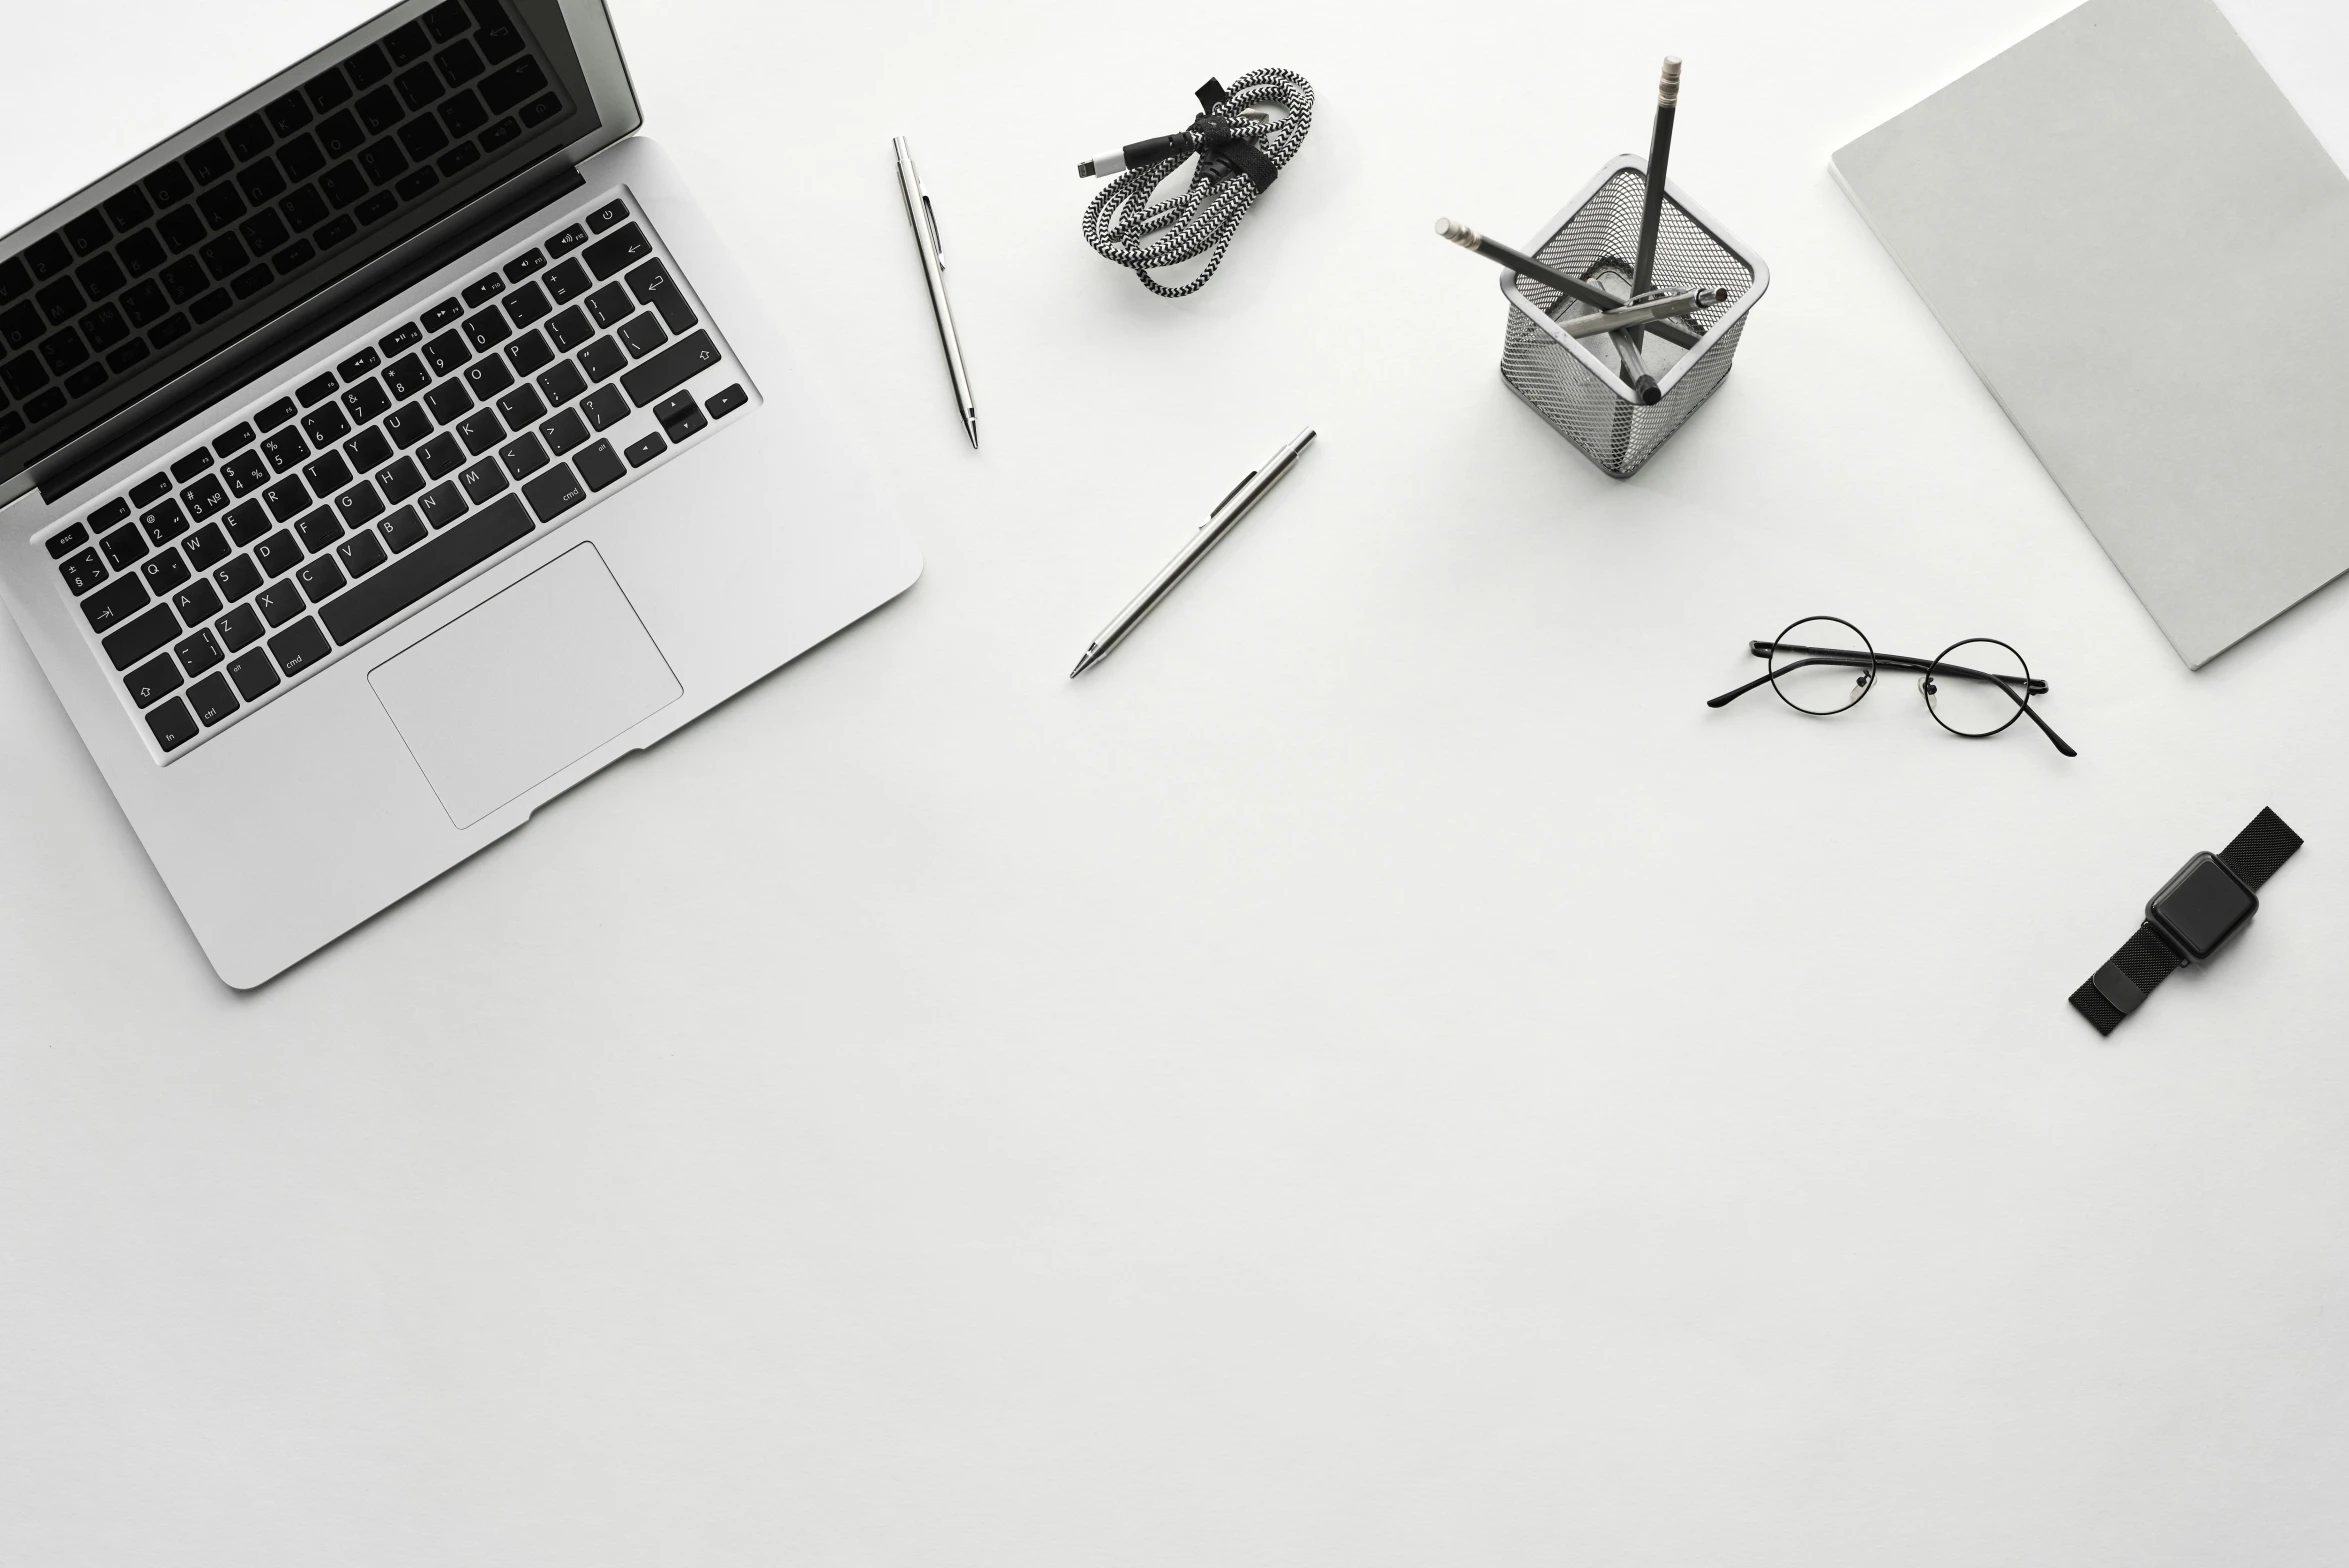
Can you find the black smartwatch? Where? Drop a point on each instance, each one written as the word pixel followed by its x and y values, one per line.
pixel 2194 915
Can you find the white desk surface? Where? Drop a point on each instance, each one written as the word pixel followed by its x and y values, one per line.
pixel 1376 1074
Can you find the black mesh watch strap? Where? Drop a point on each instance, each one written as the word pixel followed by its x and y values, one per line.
pixel 2259 849
pixel 2121 986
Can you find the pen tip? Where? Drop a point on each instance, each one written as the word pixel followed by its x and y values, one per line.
pixel 1083 665
pixel 970 423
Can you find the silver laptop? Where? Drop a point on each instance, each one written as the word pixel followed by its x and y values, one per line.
pixel 391 450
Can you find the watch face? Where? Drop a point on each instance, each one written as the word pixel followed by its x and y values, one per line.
pixel 2203 906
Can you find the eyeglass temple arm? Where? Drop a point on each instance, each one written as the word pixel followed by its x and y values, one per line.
pixel 1851 660
pixel 1891 661
pixel 1831 656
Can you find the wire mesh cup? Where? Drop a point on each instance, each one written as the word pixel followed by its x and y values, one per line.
pixel 1575 383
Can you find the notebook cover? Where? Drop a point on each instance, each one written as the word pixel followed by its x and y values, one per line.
pixel 2065 211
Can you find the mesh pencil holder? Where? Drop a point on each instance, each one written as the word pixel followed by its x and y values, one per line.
pixel 1574 382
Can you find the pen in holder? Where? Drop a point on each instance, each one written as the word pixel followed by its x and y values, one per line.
pixel 1578 383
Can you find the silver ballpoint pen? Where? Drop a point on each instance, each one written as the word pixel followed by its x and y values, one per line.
pixel 1221 521
pixel 924 219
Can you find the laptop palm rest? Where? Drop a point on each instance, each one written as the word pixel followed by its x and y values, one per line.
pixel 511 693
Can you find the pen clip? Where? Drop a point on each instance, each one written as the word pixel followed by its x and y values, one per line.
pixel 937 239
pixel 1216 510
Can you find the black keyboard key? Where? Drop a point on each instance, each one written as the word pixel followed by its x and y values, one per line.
pixel 211 699
pixel 483 480
pixel 163 523
pixel 368 399
pixel 527 303
pixel 83 572
pixel 600 466
pixel 321 579
pixel 357 365
pixel 280 602
pixel 680 416
pixel 523 456
pixel 643 452
pixel 481 432
pixel 442 505
pixel 529 353
pixel 510 84
pixel 609 213
pixel 318 530
pixel 448 401
pixel 114 603
pixel 723 403
pixel 406 376
pixel 198 601
pixel 152 681
pixel 604 407
pixel 567 282
pixel 562 383
pixel 553 492
pixel 136 639
pixel 481 289
pixel 522 407
pixel 439 562
pixel 67 540
pixel 652 285
pixel 486 329
pixel 255 676
pixel 407 425
pixel 399 481
pixel 570 328
pixel 441 456
pixel 237 579
pixel 567 241
pixel 368 449
pixel 191 465
pixel 642 335
pixel 245 472
pixel 204 497
pixel 315 391
pixel 197 653
pixel 325 425
pixel 445 353
pixel 524 265
pixel 164 572
pixel 442 314
pixel 206 548
pixel 278 554
pixel 299 646
pixel 234 439
pixel 670 369
pixel 245 523
pixel 328 474
pixel 563 432
pixel 610 305
pixel 171 725
pixel 151 489
pixel 359 505
pixel 361 553
pixel 486 378
pixel 400 340
pixel 603 359
pixel 238 627
pixel 403 530
pixel 285 449
pixel 286 498
pixel 275 414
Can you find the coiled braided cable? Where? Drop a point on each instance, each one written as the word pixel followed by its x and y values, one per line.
pixel 1242 139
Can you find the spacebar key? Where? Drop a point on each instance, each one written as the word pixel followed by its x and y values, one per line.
pixel 670 369
pixel 442 561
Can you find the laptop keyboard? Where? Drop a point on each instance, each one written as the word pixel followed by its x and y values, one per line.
pixel 391 468
pixel 263 205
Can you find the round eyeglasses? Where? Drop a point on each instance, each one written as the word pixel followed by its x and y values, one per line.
pixel 1823 665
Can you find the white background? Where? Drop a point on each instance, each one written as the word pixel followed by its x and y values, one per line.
pixel 1377 1073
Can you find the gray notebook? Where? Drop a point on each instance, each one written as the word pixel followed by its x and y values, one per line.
pixel 2134 155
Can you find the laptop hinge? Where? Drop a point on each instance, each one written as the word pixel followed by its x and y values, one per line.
pixel 261 353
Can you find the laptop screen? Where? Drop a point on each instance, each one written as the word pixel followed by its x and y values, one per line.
pixel 220 230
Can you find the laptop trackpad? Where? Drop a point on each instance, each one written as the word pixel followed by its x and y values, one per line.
pixel 508 695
